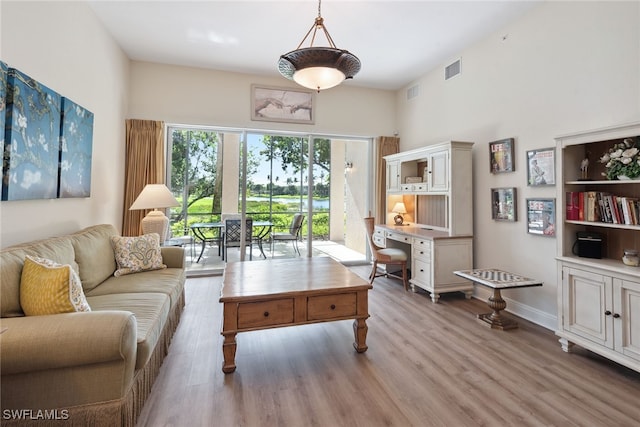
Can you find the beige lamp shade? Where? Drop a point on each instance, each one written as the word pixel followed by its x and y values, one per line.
pixel 155 196
pixel 399 208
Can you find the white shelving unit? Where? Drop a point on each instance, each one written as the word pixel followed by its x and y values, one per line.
pixel 599 299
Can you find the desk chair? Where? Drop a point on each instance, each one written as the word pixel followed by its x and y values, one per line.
pixel 386 256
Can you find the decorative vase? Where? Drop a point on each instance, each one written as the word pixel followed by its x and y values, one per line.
pixel 631 257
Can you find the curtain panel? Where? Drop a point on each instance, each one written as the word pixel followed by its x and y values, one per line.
pixel 385 145
pixel 144 164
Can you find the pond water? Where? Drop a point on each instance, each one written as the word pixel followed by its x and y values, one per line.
pixel 318 204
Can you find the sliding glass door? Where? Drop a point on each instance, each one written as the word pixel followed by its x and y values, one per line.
pixel 286 174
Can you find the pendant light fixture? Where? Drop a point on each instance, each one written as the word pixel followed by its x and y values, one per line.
pixel 318 67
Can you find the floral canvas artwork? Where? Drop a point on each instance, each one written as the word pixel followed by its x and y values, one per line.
pixel 32 139
pixel 75 150
pixel 3 100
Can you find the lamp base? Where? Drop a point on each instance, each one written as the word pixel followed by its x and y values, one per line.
pixel 398 219
pixel 155 222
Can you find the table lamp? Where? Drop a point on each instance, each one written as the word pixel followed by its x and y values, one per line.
pixel 399 208
pixel 155 196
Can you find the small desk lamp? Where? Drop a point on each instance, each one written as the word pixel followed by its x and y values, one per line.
pixel 155 196
pixel 400 209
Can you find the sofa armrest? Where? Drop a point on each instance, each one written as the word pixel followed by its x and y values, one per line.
pixel 35 343
pixel 172 256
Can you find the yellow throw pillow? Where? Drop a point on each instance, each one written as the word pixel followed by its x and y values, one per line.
pixel 47 287
pixel 134 254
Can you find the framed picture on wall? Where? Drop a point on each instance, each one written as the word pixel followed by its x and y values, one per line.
pixel 273 104
pixel 503 204
pixel 541 167
pixel 501 156
pixel 541 217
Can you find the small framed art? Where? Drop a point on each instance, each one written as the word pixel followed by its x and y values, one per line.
pixel 287 105
pixel 541 167
pixel 501 156
pixel 503 204
pixel 541 217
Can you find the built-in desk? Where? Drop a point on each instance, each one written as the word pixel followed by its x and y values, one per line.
pixel 434 256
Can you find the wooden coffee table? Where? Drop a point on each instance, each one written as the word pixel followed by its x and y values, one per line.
pixel 289 292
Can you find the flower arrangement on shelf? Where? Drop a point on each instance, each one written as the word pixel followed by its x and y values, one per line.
pixel 622 160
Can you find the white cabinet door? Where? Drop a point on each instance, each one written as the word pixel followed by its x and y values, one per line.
pixel 626 318
pixel 587 306
pixel 438 178
pixel 393 175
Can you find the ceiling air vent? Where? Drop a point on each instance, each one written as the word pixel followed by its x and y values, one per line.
pixel 413 92
pixel 452 70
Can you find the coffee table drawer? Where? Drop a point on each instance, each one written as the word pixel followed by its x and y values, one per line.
pixel 265 313
pixel 331 306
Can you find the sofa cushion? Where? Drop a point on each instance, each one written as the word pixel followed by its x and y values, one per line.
pixel 151 311
pixel 58 249
pixel 135 254
pixel 168 281
pixel 94 254
pixel 47 287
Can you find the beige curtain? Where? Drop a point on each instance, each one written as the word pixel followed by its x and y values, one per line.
pixel 144 164
pixel 386 145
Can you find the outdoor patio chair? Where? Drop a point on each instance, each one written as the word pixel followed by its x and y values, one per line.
pixel 233 235
pixel 292 235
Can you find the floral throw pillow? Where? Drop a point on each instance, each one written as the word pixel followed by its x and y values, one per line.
pixel 47 287
pixel 135 254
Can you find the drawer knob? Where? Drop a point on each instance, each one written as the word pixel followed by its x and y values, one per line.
pixel 616 315
pixel 333 306
pixel 607 313
pixel 421 271
pixel 266 314
pixel 421 253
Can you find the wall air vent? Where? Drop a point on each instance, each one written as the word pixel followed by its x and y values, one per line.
pixel 452 70
pixel 413 92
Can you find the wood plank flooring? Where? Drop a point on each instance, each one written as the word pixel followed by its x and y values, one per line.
pixel 427 365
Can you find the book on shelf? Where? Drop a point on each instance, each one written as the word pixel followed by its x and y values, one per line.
pixel 572 205
pixel 592 210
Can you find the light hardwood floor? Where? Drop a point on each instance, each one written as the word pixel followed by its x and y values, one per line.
pixel 427 365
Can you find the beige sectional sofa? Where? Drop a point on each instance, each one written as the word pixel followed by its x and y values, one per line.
pixel 86 368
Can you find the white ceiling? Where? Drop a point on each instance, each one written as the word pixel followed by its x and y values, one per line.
pixel 396 41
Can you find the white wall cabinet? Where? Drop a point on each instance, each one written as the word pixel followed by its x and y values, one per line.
pixel 599 303
pixel 393 175
pixel 438 171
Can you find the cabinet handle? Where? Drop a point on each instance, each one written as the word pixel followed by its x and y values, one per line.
pixel 333 306
pixel 421 271
pixel 607 313
pixel 616 315
pixel 266 314
pixel 421 253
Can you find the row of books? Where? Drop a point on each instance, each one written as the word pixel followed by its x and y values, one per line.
pixel 602 207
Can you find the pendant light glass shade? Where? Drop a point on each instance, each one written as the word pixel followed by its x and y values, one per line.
pixel 318 67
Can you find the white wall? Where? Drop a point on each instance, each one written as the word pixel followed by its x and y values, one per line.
pixel 563 67
pixel 63 46
pixel 205 97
